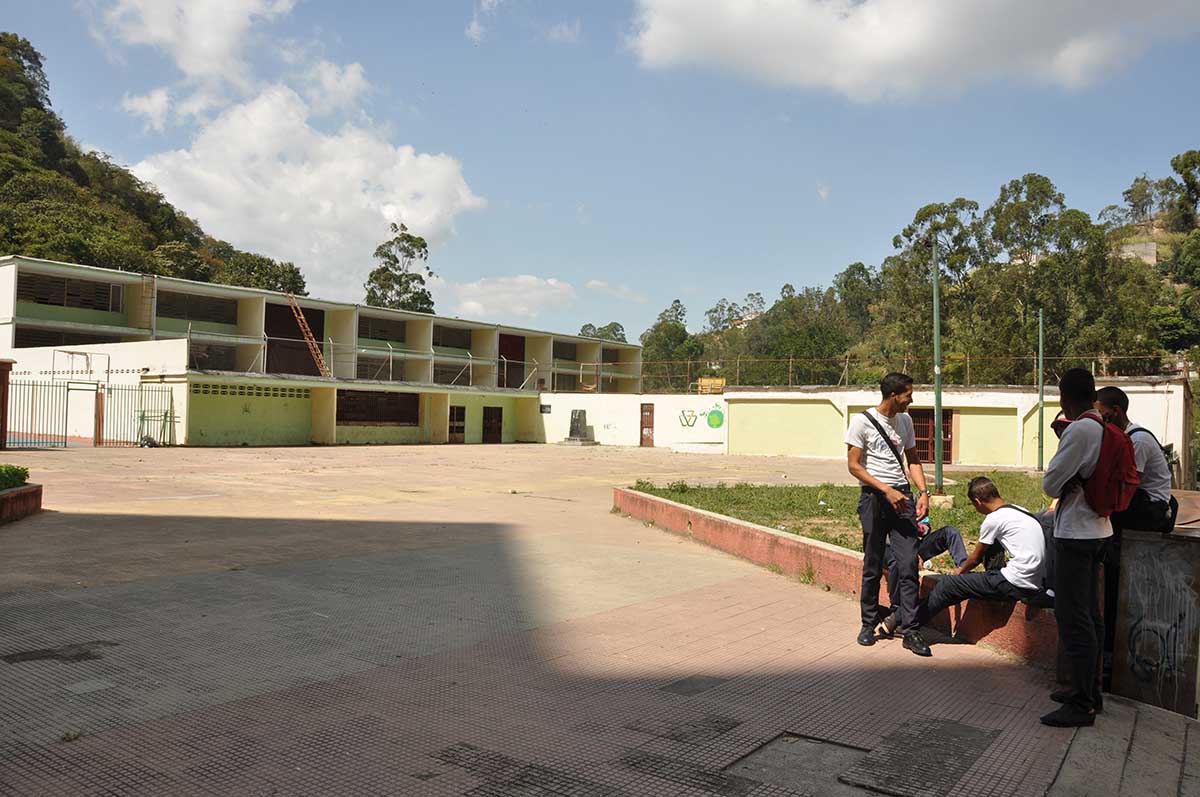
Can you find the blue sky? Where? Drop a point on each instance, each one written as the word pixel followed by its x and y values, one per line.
pixel 582 162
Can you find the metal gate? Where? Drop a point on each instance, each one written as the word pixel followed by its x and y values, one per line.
pixel 61 414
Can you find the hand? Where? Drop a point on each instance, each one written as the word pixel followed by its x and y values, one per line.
pixel 897 499
pixel 958 571
pixel 923 506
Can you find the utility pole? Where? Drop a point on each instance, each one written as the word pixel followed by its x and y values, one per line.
pixel 937 369
pixel 1041 389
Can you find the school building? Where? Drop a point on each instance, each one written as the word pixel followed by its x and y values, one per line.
pixel 123 356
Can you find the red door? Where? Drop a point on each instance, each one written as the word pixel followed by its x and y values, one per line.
pixel 493 424
pixel 648 425
pixel 923 427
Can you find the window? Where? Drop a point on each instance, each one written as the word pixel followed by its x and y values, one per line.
pixel 376 408
pixel 452 374
pixel 28 337
pixel 374 368
pixel 451 337
pixel 567 382
pixel 388 329
pixel 457 432
pixel 197 308
pixel 608 355
pixel 209 357
pixel 65 292
pixel 564 350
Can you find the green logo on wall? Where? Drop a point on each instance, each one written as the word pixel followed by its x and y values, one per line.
pixel 715 418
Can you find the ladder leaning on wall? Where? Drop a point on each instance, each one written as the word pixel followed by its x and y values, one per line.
pixel 313 347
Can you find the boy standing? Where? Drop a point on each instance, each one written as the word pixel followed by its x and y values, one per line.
pixel 886 507
pixel 1079 540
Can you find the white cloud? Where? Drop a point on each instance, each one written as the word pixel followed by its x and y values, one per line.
pixel 205 38
pixel 823 190
pixel 565 32
pixel 521 297
pixel 868 49
pixel 619 291
pixel 331 87
pixel 476 30
pixel 260 176
pixel 152 107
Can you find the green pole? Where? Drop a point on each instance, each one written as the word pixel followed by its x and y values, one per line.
pixel 1041 389
pixel 937 371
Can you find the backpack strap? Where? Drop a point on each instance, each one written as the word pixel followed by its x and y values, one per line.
pixel 1022 511
pixel 1147 431
pixel 886 439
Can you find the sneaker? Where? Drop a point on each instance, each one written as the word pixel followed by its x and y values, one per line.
pixel 866 636
pixel 887 629
pixel 916 643
pixel 1068 716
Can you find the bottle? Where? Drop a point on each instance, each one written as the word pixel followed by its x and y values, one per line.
pixel 923 526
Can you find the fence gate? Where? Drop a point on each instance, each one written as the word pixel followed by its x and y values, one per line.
pixel 60 414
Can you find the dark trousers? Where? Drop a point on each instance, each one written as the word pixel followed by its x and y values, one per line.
pixel 1077 610
pixel 935 543
pixel 1144 514
pixel 951 590
pixel 882 525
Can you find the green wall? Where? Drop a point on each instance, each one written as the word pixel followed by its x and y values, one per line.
pixel 181 325
pixel 809 428
pixel 51 312
pixel 475 405
pixel 987 436
pixel 256 420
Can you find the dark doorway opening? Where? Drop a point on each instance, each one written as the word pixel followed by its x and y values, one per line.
pixel 924 429
pixel 647 425
pixel 493 424
pixel 457 432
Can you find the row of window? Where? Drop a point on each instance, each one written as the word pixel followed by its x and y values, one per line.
pixel 387 329
pixel 258 391
pixel 376 408
pixel 67 292
pixel 197 308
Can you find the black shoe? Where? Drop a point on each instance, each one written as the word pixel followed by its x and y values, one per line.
pixel 1067 716
pixel 916 643
pixel 866 637
pixel 1061 696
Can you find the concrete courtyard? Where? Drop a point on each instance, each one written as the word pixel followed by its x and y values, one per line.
pixel 473 620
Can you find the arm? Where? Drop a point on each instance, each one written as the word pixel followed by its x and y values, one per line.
pixel 1064 465
pixel 854 463
pixel 973 560
pixel 917 473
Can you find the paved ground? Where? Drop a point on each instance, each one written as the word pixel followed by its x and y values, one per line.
pixel 398 621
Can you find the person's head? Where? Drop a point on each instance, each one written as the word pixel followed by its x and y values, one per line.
pixel 984 495
pixel 897 389
pixel 1113 405
pixel 1076 392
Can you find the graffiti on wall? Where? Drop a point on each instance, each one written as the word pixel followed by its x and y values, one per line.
pixel 1164 620
pixel 714 417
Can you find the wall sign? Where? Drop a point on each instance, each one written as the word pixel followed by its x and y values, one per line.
pixel 545 409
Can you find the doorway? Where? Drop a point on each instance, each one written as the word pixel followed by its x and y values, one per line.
pixel 457 432
pixel 493 424
pixel 647 426
pixel 923 427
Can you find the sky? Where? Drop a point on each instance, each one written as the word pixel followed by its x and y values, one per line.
pixel 587 162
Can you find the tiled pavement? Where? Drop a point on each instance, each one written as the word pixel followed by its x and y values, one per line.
pixel 563 651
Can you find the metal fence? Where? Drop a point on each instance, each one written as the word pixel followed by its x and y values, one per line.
pixel 63 413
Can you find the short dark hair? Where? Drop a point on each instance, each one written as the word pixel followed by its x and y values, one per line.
pixel 894 383
pixel 1113 397
pixel 1078 386
pixel 982 488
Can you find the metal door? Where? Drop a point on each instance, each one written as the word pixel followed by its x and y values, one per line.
pixel 493 424
pixel 924 429
pixel 648 425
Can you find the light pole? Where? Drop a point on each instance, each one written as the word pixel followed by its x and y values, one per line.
pixel 1041 389
pixel 937 369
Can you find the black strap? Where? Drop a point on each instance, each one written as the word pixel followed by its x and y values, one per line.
pixel 886 439
pixel 1147 431
pixel 1022 511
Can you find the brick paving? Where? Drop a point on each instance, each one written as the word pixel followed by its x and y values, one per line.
pixel 427 640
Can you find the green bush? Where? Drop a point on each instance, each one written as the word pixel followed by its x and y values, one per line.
pixel 13 476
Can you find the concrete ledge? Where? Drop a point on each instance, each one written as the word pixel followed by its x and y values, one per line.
pixel 1013 628
pixel 19 502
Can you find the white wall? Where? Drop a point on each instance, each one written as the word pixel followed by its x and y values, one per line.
pixel 120 363
pixel 681 422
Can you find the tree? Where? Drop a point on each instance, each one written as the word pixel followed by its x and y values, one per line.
pixel 398 281
pixel 610 331
pixel 1187 166
pixel 1139 197
pixel 857 288
pixel 675 312
pixel 257 271
pixel 726 314
pixel 668 342
pixel 177 259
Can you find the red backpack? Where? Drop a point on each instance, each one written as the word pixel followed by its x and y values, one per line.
pixel 1112 484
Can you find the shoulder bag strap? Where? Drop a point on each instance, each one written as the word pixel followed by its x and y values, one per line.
pixel 888 440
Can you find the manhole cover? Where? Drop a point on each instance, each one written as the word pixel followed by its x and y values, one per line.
pixel 801 764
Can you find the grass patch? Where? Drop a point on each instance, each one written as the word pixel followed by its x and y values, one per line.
pixel 829 512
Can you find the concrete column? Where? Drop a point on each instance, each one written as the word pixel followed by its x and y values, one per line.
pixel 439 417
pixel 5 371
pixel 324 416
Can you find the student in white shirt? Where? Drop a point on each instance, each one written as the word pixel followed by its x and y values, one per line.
pixel 874 441
pixel 1079 541
pixel 1150 509
pixel 1012 528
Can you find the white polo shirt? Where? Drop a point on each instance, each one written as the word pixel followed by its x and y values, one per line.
pixel 1152 466
pixel 878 458
pixel 1022 539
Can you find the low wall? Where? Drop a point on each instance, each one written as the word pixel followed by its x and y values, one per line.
pixel 1013 628
pixel 19 502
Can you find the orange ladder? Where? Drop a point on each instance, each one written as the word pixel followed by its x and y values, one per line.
pixel 313 347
